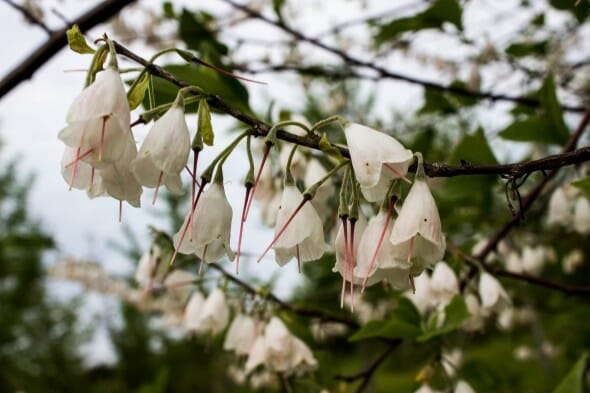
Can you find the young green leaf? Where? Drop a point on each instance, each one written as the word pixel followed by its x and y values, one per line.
pixel 76 40
pixel 204 123
pixel 137 91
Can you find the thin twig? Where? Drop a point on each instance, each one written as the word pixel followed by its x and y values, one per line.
pixel 31 17
pixel 385 73
pixel 303 311
pixel 56 41
pixel 367 374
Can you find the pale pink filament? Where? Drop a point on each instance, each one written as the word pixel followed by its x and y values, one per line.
pixel 345 267
pixel 120 210
pixel 381 237
pixel 351 264
pixel 73 177
pixel 398 173
pixel 187 225
pixel 265 155
pixel 203 258
pixel 102 132
pixel 78 158
pixel 242 221
pixel 284 227
pixel 157 187
pixel 298 259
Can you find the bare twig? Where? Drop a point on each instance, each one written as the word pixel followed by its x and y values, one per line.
pixel 367 374
pixel 385 73
pixel 303 311
pixel 56 41
pixel 31 17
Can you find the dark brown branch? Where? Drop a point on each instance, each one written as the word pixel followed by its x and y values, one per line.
pixel 260 128
pixel 385 73
pixel 303 311
pixel 56 41
pixel 367 374
pixel 528 200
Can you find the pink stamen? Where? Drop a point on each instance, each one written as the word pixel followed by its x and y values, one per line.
pixel 412 285
pixel 381 237
pixel 75 168
pixel 352 263
pixel 120 211
pixel 284 227
pixel 345 267
pixel 203 259
pixel 194 173
pixel 242 222
pixel 78 158
pixel 102 132
pixel 398 173
pixel 264 156
pixel 298 259
pixel 187 225
pixel 157 187
pixel 191 175
pixel 91 179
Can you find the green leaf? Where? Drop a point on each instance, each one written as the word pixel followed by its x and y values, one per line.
pixel 277 6
pixel 455 313
pixel 229 89
pixel 137 91
pixel 193 30
pixel 77 41
pixel 447 102
pixel 573 381
pixel 583 185
pixel 327 148
pixel 552 108
pixel 473 149
pixel 580 8
pixel 205 128
pixel 168 10
pixel 522 49
pixel 404 322
pixel 532 129
pixel 435 16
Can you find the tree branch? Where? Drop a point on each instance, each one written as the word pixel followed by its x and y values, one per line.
pixel 32 18
pixel 385 73
pixel 260 128
pixel 56 41
pixel 303 311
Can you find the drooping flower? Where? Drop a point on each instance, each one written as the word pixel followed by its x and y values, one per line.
pixel 280 351
pixel 559 210
pixel 214 314
pixel 359 229
pixel 117 179
pixel 98 120
pixel 148 263
pixel 210 234
pixel 443 284
pixel 192 311
pixel 377 158
pixel 164 152
pixel 303 237
pixel 241 335
pixel 315 172
pixel 417 236
pixel 375 260
pixel 492 294
pixel 582 216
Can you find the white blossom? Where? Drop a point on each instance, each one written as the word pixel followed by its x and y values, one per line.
pixel 582 216
pixel 241 335
pixel 492 294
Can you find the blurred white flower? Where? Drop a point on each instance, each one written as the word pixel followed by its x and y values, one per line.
pixel 572 260
pixel 492 294
pixel 443 284
pixel 476 318
pixel 192 311
pixel 559 209
pixel 582 216
pixel 463 387
pixel 241 335
pixel 210 234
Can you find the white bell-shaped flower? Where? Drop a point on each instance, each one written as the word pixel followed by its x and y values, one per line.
pixel 241 335
pixel 164 152
pixel 463 387
pixel 315 172
pixel 559 210
pixel 192 311
pixel 443 284
pixel 377 158
pixel 214 314
pixel 210 234
pixel 582 216
pixel 117 179
pixel 375 250
pixel 284 352
pixel 417 236
pixel 78 174
pixel 98 120
pixel 303 237
pixel 147 265
pixel 476 317
pixel 492 294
